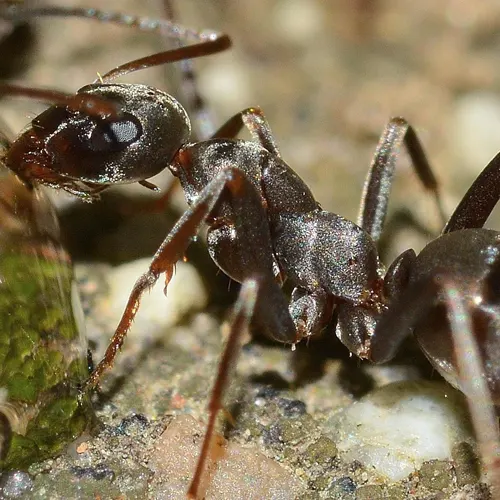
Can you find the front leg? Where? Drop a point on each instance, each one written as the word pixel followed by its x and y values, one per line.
pixel 241 316
pixel 251 240
pixel 171 250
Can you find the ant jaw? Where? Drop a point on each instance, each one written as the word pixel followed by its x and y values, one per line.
pixel 355 327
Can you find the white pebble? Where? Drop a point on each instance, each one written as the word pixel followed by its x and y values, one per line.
pixel 186 293
pixel 399 426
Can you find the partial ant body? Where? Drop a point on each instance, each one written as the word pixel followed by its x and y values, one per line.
pixel 100 123
pixel 265 227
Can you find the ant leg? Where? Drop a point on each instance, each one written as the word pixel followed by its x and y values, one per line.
pixel 462 362
pixel 479 201
pixel 473 383
pixel 171 250
pixel 91 105
pixel 256 123
pixel 210 42
pixel 233 187
pixel 373 207
pixel 242 313
pixel 199 112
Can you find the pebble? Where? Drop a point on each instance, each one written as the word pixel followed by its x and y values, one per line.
pixel 186 293
pixel 396 428
pixel 235 471
pixel 15 484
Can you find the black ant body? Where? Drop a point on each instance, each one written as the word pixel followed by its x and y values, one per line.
pixel 265 227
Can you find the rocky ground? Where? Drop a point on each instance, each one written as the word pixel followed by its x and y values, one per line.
pixel 328 76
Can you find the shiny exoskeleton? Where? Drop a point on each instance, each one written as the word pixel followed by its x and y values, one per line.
pixel 265 228
pixel 265 225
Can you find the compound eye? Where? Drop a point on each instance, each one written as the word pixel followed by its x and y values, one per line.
pixel 114 136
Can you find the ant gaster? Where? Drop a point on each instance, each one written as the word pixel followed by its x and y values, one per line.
pixel 265 227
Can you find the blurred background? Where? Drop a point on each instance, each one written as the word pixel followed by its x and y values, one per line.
pixel 327 74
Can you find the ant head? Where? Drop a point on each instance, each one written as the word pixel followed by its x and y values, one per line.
pixel 133 144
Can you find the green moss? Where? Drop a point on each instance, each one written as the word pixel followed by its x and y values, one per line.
pixel 42 359
pixel 21 453
pixel 57 423
pixel 21 388
pixel 53 370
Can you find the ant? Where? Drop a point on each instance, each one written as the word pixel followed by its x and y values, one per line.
pixel 265 228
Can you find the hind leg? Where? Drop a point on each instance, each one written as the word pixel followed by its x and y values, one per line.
pixel 473 383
